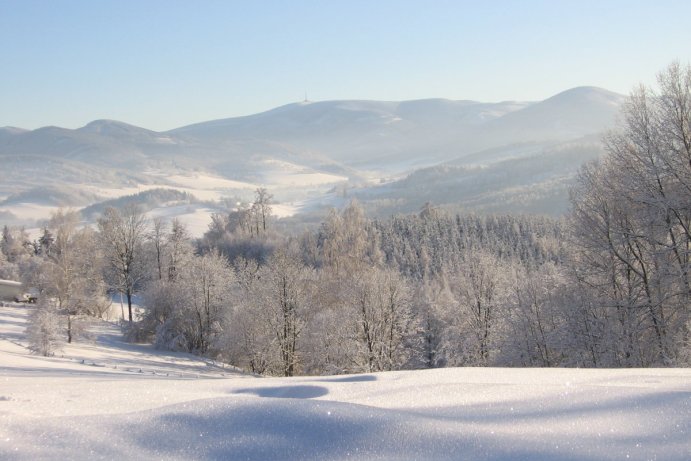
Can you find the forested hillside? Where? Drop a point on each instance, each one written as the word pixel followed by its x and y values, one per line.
pixel 607 286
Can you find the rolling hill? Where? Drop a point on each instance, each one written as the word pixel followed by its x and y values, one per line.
pixel 301 151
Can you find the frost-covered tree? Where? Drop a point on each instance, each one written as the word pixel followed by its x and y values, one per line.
pixel 382 320
pixel 45 242
pixel 179 249
pixel 168 247
pixel 8 270
pixel 156 238
pixel 346 242
pixel 476 321
pixel 432 300
pixel 274 301
pixel 15 244
pixel 44 330
pixel 284 293
pixel 207 283
pixel 243 232
pixel 122 234
pixel 247 340
pixel 262 207
pixel 632 221
pixel 186 310
pixel 360 321
pixel 329 338
pixel 70 272
pixel 535 332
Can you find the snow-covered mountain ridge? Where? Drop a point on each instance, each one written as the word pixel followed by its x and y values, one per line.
pixel 300 151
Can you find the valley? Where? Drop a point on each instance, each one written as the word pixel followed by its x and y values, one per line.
pixel 315 155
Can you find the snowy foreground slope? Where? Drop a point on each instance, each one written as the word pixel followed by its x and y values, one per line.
pixel 106 399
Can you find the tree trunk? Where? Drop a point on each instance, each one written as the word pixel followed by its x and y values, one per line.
pixel 69 328
pixel 129 303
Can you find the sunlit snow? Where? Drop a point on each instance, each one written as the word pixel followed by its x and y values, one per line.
pixel 103 398
pixel 209 182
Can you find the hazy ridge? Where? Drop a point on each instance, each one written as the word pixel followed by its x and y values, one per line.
pixel 313 154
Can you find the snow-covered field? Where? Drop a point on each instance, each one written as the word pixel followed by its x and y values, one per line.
pixel 196 218
pixel 279 173
pixel 292 186
pixel 103 398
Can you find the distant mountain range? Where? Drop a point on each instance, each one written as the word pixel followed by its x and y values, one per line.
pixel 303 150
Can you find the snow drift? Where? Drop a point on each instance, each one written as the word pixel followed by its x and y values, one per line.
pixel 104 399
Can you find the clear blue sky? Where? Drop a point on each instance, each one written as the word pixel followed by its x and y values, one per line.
pixel 161 64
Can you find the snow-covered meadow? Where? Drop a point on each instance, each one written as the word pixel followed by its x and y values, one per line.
pixel 103 398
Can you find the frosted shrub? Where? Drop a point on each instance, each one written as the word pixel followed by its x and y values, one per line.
pixel 44 330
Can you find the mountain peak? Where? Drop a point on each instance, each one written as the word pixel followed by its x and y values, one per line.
pixel 111 127
pixel 587 93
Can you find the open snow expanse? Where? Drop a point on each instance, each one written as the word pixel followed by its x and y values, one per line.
pixel 105 399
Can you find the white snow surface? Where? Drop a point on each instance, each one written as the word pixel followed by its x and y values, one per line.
pixel 196 218
pixel 206 181
pixel 105 399
pixel 280 173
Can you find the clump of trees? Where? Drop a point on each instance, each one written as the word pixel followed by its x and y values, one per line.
pixel 244 231
pixel 16 250
pixel 607 286
pixel 65 267
pixel 631 217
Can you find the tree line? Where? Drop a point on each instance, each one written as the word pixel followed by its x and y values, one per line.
pixel 606 286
